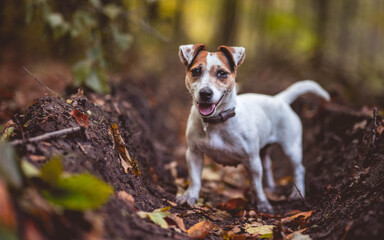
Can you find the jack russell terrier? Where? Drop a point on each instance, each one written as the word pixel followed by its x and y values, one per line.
pixel 232 129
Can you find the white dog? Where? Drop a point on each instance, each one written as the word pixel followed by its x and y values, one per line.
pixel 231 128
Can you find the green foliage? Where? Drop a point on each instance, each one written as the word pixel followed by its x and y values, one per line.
pixel 9 165
pixel 75 192
pixel 51 171
pixel 95 25
pixel 79 192
pixel 157 216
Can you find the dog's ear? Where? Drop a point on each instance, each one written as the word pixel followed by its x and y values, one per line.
pixel 235 55
pixel 188 53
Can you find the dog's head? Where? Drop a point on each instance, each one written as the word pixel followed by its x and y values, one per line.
pixel 210 76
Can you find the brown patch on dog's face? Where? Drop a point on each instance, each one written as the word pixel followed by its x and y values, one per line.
pixel 214 66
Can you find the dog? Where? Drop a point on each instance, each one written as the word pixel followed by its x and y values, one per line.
pixel 233 129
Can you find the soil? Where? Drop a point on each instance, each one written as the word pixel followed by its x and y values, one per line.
pixel 344 170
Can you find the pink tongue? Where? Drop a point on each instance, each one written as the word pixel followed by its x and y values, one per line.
pixel 206 109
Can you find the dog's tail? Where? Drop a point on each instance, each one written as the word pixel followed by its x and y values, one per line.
pixel 299 88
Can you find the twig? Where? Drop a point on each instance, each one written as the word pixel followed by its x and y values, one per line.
pixel 48 135
pixel 41 83
pixel 374 130
pixel 302 198
pixel 17 122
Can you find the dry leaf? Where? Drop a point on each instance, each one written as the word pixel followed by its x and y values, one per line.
pixel 284 181
pixel 36 158
pixel 7 214
pixel 380 130
pixel 81 118
pixel 298 219
pixel 305 215
pixel 233 204
pixel 264 231
pixel 127 162
pixel 290 236
pixel 199 230
pixel 127 198
pixel 274 197
pixel 31 232
pixel 173 219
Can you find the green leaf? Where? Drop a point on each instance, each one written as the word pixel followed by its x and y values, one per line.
pixel 112 11
pixel 98 81
pixel 9 167
pixel 79 192
pixel 6 133
pixel 55 20
pixel 7 234
pixel 123 40
pixel 157 216
pixel 95 3
pixel 81 71
pixel 28 169
pixel 51 171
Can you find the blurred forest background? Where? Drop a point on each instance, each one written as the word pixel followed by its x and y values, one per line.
pixel 92 43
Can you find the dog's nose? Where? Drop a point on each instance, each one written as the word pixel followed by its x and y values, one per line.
pixel 206 94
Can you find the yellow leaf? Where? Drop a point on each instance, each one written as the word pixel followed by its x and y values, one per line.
pixel 265 231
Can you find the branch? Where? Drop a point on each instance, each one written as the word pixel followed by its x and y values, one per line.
pixel 47 135
pixel 41 83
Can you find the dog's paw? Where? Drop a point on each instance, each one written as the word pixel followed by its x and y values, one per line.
pixel 265 207
pixel 187 198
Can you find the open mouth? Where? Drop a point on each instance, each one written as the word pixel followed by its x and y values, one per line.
pixel 207 109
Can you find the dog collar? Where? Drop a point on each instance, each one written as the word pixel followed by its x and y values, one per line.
pixel 222 117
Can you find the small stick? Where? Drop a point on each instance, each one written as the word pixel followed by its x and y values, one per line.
pixel 302 198
pixel 19 126
pixel 41 83
pixel 48 135
pixel 374 130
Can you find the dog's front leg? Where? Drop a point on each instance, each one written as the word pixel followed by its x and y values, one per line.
pixel 195 162
pixel 256 172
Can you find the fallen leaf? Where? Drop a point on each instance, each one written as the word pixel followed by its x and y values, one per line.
pixel 127 198
pixel 264 231
pixel 380 130
pixel 274 197
pixel 360 125
pixel 51 171
pixel 127 162
pixel 81 118
pixel 219 216
pixel 291 235
pixel 210 175
pixel 30 231
pixel 298 219
pixel 157 216
pixel 28 169
pixel 284 181
pixel 173 219
pixel 172 203
pixel 7 214
pixel 234 204
pixel 199 230
pixel 36 158
pixel 9 169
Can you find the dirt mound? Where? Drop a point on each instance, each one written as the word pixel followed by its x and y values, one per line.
pixel 344 172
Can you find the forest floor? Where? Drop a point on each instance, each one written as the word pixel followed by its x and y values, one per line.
pixel 343 156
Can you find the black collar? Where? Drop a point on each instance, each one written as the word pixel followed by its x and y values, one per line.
pixel 222 117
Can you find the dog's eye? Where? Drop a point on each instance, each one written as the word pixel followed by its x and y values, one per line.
pixel 196 72
pixel 221 74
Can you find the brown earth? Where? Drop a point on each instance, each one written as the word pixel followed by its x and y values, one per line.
pixel 344 179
